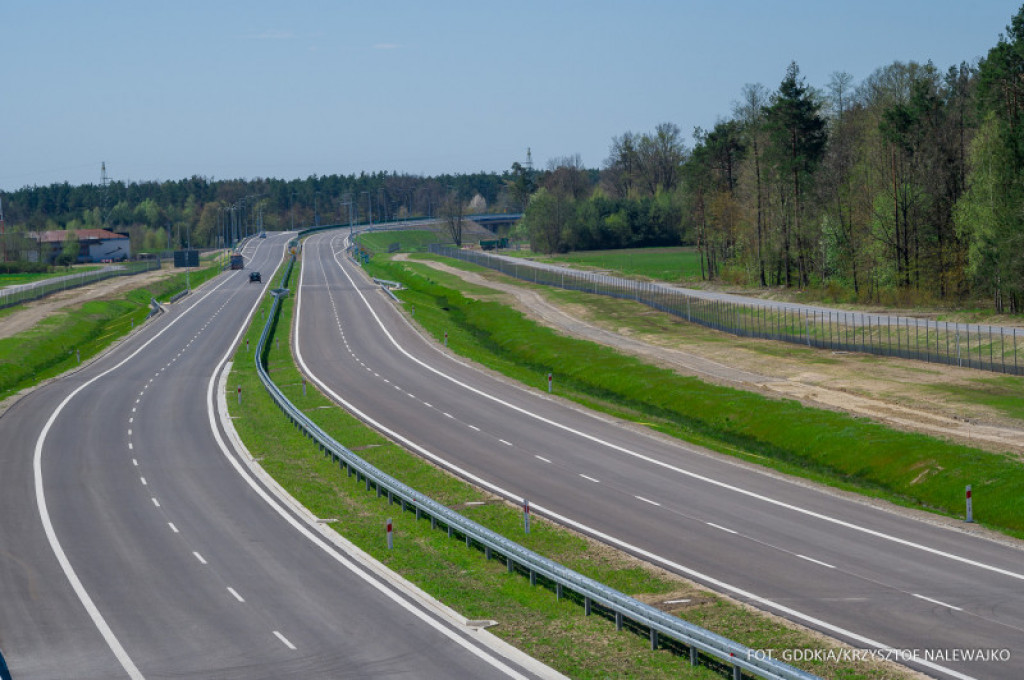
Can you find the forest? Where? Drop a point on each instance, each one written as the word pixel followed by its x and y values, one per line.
pixel 905 187
pixel 203 212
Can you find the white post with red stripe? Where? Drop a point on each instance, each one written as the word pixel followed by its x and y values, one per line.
pixel 239 394
pixel 526 515
pixel 391 542
pixel 446 338
pixel 550 378
pixel 970 505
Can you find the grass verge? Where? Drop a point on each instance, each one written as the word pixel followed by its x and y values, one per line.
pixel 531 618
pixel 832 448
pixel 59 342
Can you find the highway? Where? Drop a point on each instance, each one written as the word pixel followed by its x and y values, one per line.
pixel 137 541
pixel 875 577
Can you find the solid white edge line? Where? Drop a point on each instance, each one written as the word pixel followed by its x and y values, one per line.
pixel 605 537
pixel 220 375
pixel 51 535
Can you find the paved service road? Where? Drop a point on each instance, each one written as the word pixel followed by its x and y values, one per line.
pixel 873 577
pixel 136 542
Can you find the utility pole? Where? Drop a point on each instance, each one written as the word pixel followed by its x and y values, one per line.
pixel 106 203
pixel 3 232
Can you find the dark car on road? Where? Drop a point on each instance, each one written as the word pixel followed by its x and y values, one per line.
pixel 254 277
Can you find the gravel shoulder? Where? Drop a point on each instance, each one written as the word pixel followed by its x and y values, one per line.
pixel 904 394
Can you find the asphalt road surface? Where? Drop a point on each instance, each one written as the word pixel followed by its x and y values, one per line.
pixel 917 591
pixel 135 541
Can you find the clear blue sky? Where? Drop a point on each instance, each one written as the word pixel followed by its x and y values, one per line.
pixel 292 88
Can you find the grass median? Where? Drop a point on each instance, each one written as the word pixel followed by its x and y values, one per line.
pixel 531 618
pixel 832 448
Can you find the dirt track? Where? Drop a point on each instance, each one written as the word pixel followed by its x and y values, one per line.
pixel 903 396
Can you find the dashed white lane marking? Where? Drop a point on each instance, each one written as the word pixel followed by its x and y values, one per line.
pixel 718 526
pixel 143 480
pixel 505 442
pixel 130 447
pixel 590 479
pixel 155 501
pixel 448 415
pixel 473 427
pixel 129 432
pixel 811 559
pixel 173 528
pixel 938 602
pixel 428 405
pixel 647 500
pixel 283 639
pixel 235 593
pixel 541 458
pixel 133 407
pixel 199 557
pixel 132 419
pixel 135 462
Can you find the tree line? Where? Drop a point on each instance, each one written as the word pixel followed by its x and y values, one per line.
pixel 204 212
pixel 909 182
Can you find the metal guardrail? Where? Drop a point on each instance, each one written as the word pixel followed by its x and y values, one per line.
pixel 22 294
pixel 990 348
pixel 739 657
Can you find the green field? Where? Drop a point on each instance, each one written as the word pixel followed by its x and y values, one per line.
pixel 532 618
pixel 825 446
pixel 21 279
pixel 675 265
pixel 411 241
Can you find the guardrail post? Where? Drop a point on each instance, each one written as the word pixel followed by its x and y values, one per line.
pixel 533 577
pixel 510 564
pixel 737 673
pixel 654 639
pixel 558 591
pixel 693 655
pixel 586 606
pixel 618 620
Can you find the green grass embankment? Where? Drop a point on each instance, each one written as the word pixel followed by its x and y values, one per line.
pixel 408 241
pixel 55 344
pixel 828 447
pixel 531 618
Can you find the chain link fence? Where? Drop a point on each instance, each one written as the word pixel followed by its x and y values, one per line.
pixel 990 348
pixel 21 294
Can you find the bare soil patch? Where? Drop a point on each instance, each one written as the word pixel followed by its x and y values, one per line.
pixel 28 315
